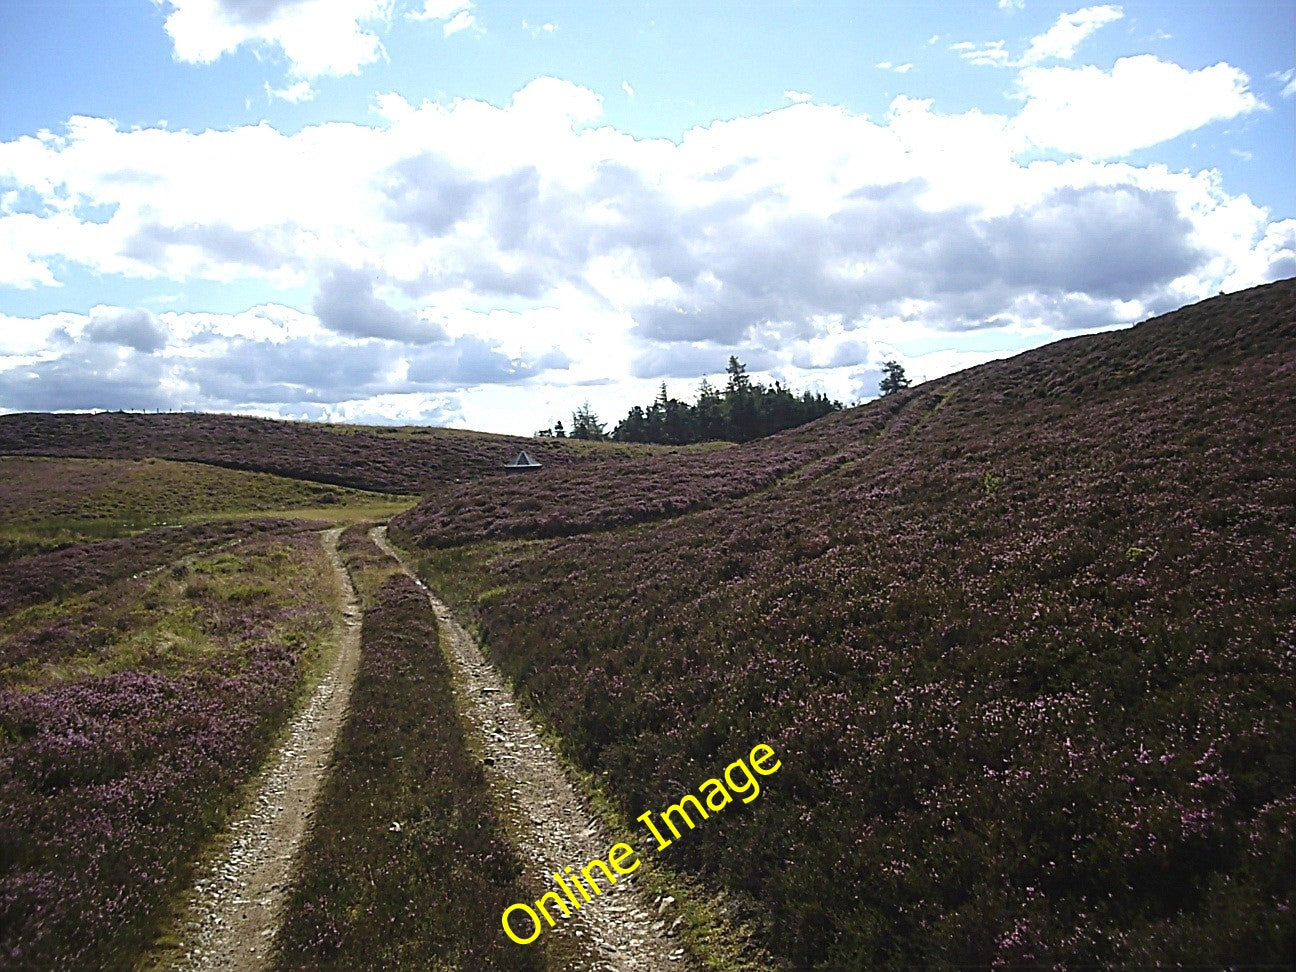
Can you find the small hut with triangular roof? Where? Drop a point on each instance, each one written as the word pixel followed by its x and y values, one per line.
pixel 522 462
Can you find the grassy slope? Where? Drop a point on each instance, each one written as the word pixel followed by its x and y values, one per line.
pixel 568 500
pixel 51 503
pixel 1022 391
pixel 143 678
pixel 403 460
pixel 1025 647
pixel 407 865
pixel 130 714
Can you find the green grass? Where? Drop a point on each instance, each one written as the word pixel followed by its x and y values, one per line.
pixel 52 503
pixel 131 717
pixel 407 864
pixel 166 620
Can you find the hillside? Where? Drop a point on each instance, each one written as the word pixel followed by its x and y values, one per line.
pixel 51 503
pixel 389 460
pixel 1023 390
pixel 1022 638
pixel 172 680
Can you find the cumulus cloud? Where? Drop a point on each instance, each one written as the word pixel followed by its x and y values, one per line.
pixel 454 15
pixel 1272 258
pixel 85 378
pixel 270 360
pixel 318 37
pixel 1142 101
pixel 1068 32
pixel 476 246
pixel 296 93
pixel 1059 42
pixel 130 329
pixel 346 304
pixel 991 54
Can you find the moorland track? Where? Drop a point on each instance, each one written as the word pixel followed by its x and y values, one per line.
pixel 553 826
pixel 234 910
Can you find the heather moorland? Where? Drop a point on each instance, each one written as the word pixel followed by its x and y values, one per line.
pixel 1024 644
pixel 1023 639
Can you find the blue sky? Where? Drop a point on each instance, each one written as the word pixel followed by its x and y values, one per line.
pixel 482 214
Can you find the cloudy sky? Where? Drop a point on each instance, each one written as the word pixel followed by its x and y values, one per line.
pixel 483 213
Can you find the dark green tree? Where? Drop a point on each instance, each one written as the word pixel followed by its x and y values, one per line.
pixel 586 425
pixel 894 379
pixel 744 410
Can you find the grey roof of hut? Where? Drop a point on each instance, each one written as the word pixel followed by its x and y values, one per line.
pixel 522 460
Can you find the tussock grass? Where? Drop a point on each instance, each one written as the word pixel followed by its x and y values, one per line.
pixel 130 716
pixel 52 503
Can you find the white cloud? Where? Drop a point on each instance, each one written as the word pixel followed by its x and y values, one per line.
pixel 897 68
pixel 1068 32
pixel 453 250
pixel 1288 80
pixel 439 9
pixel 1059 42
pixel 626 87
pixel 295 93
pixel 1142 101
pixel 318 37
pixel 991 54
pixel 1272 258
pixel 346 304
pixel 132 329
pixel 798 97
pixel 455 15
pixel 1012 4
pixel 460 21
pixel 535 30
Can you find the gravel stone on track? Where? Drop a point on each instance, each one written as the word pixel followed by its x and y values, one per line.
pixel 235 906
pixel 625 929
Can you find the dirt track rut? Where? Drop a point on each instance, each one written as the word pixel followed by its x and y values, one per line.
pixel 623 928
pixel 234 911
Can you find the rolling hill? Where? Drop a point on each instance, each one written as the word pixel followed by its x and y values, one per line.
pixel 1022 638
pixel 387 460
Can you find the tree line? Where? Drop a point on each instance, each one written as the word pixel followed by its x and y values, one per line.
pixel 743 410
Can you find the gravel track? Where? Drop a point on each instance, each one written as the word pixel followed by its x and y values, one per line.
pixel 621 929
pixel 234 909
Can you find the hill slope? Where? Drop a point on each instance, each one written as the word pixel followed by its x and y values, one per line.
pixel 1023 639
pixel 390 460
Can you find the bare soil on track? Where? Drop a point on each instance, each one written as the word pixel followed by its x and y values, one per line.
pixel 233 913
pixel 553 826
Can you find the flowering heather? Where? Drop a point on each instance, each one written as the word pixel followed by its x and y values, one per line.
pixel 50 503
pixel 578 499
pixel 85 567
pixel 386 460
pixel 1027 652
pixel 406 865
pixel 112 780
